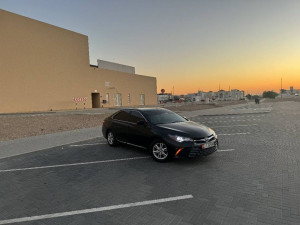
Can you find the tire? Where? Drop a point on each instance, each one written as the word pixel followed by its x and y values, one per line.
pixel 160 151
pixel 111 138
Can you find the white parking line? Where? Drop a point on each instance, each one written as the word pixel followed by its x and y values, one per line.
pixel 74 164
pixel 233 134
pixel 226 150
pixel 87 144
pixel 93 210
pixel 225 121
pixel 237 125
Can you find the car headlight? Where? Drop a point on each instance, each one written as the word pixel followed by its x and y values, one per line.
pixel 213 132
pixel 180 138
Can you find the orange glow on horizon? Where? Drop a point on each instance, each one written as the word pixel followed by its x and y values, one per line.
pixel 253 69
pixel 253 84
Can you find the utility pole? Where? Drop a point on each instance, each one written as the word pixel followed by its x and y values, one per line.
pixel 173 94
pixel 281 88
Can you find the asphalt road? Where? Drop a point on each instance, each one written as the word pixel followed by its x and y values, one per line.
pixel 254 178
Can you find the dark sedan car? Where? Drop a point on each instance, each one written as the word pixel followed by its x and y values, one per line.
pixel 165 133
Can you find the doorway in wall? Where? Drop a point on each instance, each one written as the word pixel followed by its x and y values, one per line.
pixel 142 99
pixel 118 99
pixel 95 100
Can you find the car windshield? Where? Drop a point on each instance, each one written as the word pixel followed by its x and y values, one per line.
pixel 160 116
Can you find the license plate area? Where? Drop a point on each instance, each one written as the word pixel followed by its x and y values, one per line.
pixel 208 145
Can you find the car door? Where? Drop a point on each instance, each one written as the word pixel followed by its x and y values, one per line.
pixel 138 134
pixel 120 125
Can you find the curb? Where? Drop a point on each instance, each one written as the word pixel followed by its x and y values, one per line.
pixel 233 114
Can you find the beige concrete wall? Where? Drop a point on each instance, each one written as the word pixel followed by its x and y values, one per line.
pixel 43 67
pixel 125 84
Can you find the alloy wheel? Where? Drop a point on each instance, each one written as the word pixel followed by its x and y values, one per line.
pixel 160 151
pixel 110 138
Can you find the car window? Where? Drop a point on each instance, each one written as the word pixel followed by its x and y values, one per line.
pixel 135 117
pixel 122 115
pixel 163 117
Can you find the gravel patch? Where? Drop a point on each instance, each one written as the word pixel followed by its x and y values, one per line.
pixel 26 126
pixel 32 124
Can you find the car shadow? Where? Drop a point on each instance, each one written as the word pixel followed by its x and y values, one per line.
pixel 192 161
pixel 176 161
pixel 133 149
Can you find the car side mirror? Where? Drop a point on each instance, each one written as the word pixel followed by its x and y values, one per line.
pixel 141 123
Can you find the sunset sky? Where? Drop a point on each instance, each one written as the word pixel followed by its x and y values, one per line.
pixel 189 44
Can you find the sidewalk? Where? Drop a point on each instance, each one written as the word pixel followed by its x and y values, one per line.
pixel 36 143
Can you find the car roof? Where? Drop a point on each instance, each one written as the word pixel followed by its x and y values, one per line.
pixel 144 109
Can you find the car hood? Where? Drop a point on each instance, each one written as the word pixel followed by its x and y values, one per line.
pixel 188 128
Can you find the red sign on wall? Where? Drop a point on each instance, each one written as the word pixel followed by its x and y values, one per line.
pixel 80 99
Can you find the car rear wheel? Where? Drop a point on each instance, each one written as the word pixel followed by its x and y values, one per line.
pixel 160 151
pixel 111 139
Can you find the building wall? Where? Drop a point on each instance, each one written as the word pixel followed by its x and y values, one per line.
pixel 115 66
pixel 43 67
pixel 123 83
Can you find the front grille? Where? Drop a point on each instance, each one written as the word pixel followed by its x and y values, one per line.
pixel 204 140
pixel 202 152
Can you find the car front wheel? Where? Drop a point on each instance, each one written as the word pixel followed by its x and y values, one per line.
pixel 160 151
pixel 111 139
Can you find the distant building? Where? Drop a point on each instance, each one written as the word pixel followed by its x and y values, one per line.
pixel 202 95
pixel 165 97
pixel 221 95
pixel 235 94
pixel 211 95
pixel 288 92
pixel 193 97
pixel 294 91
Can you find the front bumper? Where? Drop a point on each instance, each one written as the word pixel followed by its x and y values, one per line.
pixel 191 150
pixel 195 152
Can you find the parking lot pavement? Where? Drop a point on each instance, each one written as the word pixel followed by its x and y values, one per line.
pixel 239 109
pixel 253 179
